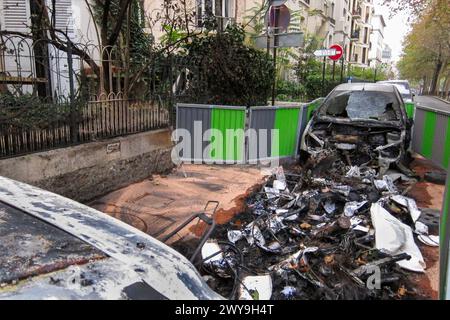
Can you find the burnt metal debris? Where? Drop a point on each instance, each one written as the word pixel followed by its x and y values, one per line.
pixel 327 230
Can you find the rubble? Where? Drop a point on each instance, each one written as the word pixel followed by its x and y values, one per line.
pixel 306 235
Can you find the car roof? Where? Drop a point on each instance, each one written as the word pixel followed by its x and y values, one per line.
pixel 394 81
pixel 366 87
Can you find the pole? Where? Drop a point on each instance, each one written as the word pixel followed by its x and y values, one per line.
pixel 444 245
pixel 334 67
pixel 275 44
pixel 375 76
pixel 73 124
pixel 323 76
pixel 342 69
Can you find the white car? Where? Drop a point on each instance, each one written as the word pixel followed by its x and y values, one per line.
pixel 403 87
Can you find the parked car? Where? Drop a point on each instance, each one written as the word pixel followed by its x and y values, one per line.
pixel 362 122
pixel 55 248
pixel 403 87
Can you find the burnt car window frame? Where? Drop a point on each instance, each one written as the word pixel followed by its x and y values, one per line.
pixel 321 112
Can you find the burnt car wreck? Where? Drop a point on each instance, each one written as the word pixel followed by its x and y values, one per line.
pixel 340 225
pixel 309 237
pixel 363 124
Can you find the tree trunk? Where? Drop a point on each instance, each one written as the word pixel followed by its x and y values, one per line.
pixel 434 80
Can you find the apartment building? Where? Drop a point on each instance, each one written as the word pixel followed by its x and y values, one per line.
pixel 376 41
pixel 361 27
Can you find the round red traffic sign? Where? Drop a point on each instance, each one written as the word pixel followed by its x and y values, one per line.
pixel 339 52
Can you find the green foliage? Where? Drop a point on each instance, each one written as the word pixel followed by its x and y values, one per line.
pixel 290 91
pixel 234 73
pixel 31 112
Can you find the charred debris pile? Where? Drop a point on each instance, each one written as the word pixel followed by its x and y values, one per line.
pixel 333 232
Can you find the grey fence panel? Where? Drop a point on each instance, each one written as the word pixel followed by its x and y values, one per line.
pixel 187 116
pixel 261 118
pixel 439 146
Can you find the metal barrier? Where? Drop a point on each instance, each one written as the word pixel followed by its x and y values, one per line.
pixel 410 109
pixel 219 128
pixel 431 135
pixel 444 245
pixel 273 131
pixel 264 142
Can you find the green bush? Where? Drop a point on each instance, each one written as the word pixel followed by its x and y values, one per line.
pixel 290 91
pixel 232 72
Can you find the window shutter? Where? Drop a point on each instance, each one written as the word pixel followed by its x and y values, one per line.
pixel 16 16
pixel 63 15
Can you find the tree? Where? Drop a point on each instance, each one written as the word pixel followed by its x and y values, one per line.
pixel 427 47
pixel 232 72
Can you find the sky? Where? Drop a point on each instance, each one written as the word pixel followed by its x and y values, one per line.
pixel 395 30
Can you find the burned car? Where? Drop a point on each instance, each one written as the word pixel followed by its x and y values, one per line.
pixel 364 124
pixel 54 248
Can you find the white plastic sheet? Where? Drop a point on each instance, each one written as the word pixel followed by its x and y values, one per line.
pixel 258 287
pixel 395 237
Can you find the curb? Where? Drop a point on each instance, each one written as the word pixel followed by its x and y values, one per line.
pixel 443 100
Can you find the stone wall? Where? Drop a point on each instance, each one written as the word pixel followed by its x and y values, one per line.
pixel 90 170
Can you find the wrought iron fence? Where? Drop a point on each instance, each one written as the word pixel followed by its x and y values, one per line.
pixel 52 97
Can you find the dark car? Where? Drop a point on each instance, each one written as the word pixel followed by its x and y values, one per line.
pixel 364 123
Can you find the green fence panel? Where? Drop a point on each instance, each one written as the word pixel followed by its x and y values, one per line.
pixel 286 121
pixel 410 106
pixel 446 157
pixel 428 133
pixel 313 106
pixel 228 147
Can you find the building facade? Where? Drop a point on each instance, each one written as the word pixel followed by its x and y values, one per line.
pixel 376 41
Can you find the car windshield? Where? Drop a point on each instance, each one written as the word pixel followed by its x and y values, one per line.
pixel 376 105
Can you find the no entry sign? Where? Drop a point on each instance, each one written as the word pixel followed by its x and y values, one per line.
pixel 339 52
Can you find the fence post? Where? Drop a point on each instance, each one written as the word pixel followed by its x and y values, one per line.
pixel 73 122
pixel 172 110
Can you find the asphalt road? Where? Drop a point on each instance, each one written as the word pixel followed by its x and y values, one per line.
pixel 432 102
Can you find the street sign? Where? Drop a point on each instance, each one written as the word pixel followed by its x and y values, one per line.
pixel 277 2
pixel 325 52
pixel 284 18
pixel 285 40
pixel 339 52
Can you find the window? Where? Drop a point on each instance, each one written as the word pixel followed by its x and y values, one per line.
pixel 332 9
pixel 364 55
pixel 218 8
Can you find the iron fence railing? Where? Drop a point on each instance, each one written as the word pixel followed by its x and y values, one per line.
pixel 52 97
pixel 61 126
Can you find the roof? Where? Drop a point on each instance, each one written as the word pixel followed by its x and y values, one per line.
pixel 365 86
